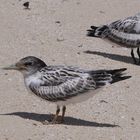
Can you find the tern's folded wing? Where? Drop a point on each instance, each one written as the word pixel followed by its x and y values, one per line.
pixel 129 25
pixel 70 88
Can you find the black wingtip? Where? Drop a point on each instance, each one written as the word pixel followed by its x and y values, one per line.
pixel 119 78
pixel 118 75
pixel 91 32
pixel 115 71
pixel 97 31
pixel 93 27
pixel 102 77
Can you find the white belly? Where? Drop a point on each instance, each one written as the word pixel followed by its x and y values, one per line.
pixel 80 98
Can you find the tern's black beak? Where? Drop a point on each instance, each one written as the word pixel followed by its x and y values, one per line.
pixel 11 67
pixel 16 66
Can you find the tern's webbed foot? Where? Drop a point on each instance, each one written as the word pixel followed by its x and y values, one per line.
pixel 59 120
pixel 55 122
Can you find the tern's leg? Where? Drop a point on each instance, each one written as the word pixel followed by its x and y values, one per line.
pixel 63 113
pixel 55 119
pixel 132 54
pixel 138 52
pixel 56 115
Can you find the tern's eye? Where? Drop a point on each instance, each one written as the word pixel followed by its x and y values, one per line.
pixel 28 63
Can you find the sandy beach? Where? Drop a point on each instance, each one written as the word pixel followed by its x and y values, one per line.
pixel 55 31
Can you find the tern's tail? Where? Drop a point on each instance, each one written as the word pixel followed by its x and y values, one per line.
pixel 103 77
pixel 97 31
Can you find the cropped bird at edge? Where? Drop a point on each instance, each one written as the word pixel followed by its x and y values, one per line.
pixel 125 33
pixel 63 85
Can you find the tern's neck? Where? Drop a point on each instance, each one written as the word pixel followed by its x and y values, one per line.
pixel 34 79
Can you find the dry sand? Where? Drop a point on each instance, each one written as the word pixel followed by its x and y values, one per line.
pixel 55 30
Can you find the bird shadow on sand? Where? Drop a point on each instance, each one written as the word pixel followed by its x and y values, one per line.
pixel 68 120
pixel 121 58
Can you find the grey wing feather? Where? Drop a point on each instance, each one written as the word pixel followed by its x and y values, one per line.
pixel 68 89
pixel 128 25
pixel 123 32
pixel 56 75
pixel 61 82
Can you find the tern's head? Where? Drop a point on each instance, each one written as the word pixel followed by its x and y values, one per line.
pixel 27 65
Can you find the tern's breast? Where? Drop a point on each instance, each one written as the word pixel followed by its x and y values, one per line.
pixel 34 79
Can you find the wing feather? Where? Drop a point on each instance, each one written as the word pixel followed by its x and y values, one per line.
pixel 128 25
pixel 70 88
